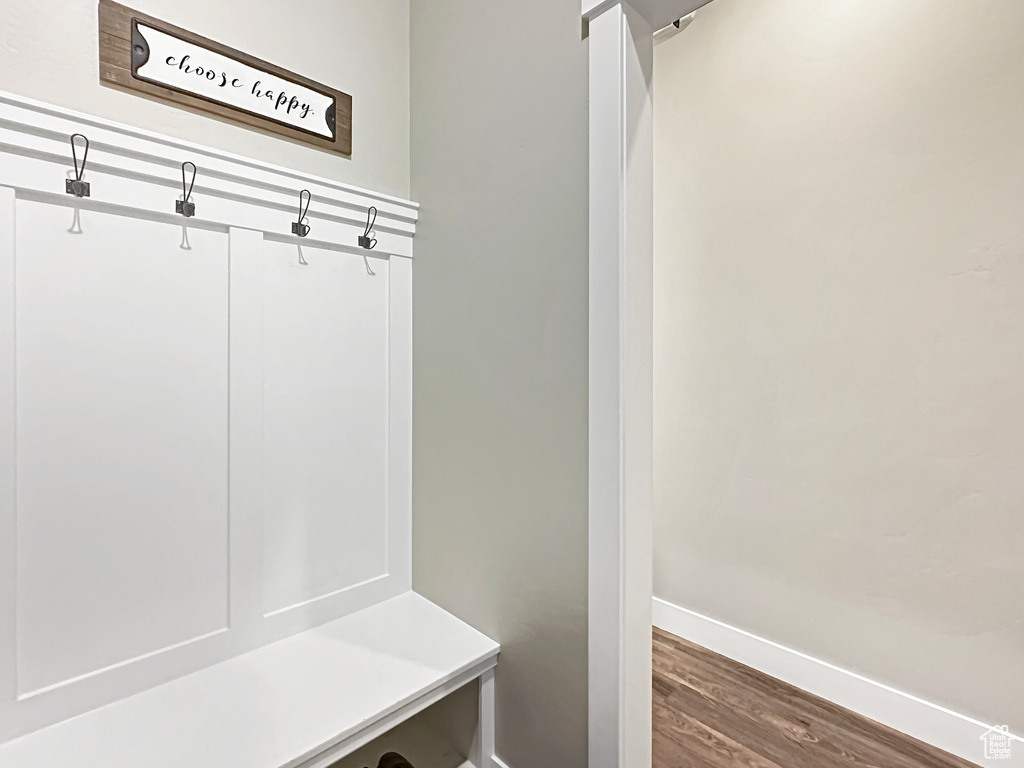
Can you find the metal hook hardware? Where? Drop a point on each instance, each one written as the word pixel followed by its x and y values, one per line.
pixel 367 240
pixel 299 227
pixel 76 186
pixel 184 206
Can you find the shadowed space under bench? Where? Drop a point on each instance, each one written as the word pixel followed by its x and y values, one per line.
pixel 712 712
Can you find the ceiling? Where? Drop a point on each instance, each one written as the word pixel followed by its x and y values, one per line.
pixel 660 13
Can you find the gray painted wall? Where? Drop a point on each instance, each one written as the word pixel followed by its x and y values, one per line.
pixel 839 336
pixel 499 147
pixel 49 50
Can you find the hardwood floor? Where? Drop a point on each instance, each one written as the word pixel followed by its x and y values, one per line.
pixel 712 712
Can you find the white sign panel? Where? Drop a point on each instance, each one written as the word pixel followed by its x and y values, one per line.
pixel 192 69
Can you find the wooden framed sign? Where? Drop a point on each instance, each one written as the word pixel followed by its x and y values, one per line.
pixel 145 54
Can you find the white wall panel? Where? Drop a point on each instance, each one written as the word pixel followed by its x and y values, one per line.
pixel 325 422
pixel 122 418
pixel 203 449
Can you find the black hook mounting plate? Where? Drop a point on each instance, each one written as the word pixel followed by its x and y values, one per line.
pixel 76 187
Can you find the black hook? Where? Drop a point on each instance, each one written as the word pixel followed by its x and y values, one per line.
pixel 76 186
pixel 366 240
pixel 299 227
pixel 183 206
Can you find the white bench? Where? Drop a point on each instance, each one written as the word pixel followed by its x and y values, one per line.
pixel 303 702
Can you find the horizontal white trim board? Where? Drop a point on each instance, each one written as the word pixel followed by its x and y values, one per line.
pixel 955 733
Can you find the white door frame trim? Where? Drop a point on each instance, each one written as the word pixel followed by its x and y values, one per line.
pixel 621 232
pixel 621 375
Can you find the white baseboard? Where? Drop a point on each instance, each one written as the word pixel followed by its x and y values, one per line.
pixel 496 763
pixel 930 723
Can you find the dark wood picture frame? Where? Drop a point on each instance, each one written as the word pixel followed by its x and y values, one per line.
pixel 116 22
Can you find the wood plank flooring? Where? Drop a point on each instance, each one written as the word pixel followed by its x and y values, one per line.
pixel 712 712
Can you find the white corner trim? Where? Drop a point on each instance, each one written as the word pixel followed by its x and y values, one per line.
pixel 620 373
pixel 953 732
